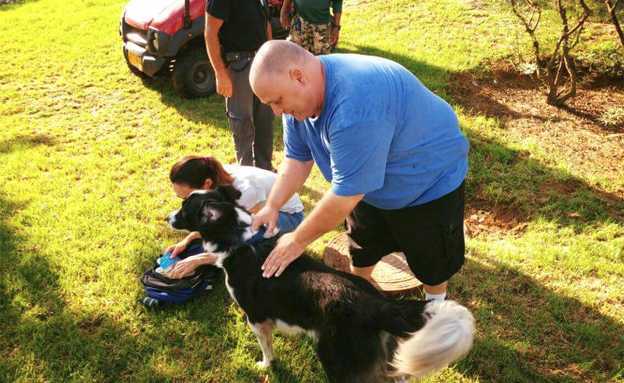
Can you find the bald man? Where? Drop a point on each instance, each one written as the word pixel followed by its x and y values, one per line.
pixel 392 150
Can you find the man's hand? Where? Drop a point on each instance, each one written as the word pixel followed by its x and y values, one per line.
pixel 266 216
pixel 287 250
pixel 284 19
pixel 328 213
pixel 335 34
pixel 224 83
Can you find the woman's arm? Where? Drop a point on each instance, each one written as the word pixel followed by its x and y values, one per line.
pixel 186 266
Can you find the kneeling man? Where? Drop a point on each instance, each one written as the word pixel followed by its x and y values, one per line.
pixel 392 150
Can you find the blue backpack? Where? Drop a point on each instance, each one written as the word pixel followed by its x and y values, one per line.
pixel 160 289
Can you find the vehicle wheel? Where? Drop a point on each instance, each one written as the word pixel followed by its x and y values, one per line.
pixel 193 75
pixel 134 70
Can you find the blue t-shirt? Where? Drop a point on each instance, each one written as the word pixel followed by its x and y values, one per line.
pixel 381 133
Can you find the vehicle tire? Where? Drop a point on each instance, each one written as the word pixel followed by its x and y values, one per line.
pixel 193 75
pixel 134 70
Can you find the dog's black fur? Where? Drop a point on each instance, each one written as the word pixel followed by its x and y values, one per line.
pixel 358 330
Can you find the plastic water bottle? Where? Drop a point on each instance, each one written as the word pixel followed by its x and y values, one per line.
pixel 166 262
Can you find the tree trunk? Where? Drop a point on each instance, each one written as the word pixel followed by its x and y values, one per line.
pixel 614 19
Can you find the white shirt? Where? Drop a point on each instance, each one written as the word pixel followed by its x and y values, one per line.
pixel 255 184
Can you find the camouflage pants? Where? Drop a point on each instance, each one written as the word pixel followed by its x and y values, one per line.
pixel 311 37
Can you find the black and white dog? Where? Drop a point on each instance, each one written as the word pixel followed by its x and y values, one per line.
pixel 362 336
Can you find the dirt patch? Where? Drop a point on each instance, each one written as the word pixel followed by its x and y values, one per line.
pixel 581 135
pixel 495 224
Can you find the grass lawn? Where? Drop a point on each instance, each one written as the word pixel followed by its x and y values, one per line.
pixel 85 150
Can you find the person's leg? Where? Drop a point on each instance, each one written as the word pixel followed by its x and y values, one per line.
pixel 307 35
pixel 431 236
pixel 239 109
pixel 263 139
pixel 321 39
pixel 288 222
pixel 369 239
pixel 437 292
pixel 296 34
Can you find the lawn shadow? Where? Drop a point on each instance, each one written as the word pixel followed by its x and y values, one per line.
pixel 42 338
pixel 22 142
pixel 518 189
pixel 8 5
pixel 529 333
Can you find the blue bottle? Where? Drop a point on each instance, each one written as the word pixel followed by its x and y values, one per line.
pixel 166 261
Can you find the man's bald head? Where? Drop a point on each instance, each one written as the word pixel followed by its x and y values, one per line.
pixel 289 79
pixel 277 57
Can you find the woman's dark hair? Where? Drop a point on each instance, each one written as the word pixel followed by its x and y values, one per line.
pixel 194 170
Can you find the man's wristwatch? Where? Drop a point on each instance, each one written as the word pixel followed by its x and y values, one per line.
pixel 337 26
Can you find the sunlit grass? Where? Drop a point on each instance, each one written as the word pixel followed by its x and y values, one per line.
pixel 85 150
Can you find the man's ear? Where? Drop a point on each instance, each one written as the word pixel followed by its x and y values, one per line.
pixel 297 75
pixel 229 192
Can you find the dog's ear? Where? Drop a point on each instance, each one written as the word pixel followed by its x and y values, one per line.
pixel 204 214
pixel 229 192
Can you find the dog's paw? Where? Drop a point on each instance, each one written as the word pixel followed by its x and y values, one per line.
pixel 264 364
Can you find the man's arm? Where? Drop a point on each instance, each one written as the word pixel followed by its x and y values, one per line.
pixel 269 31
pixel 213 47
pixel 292 175
pixel 329 213
pixel 335 33
pixel 284 13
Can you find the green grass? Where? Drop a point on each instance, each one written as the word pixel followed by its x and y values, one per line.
pixel 85 150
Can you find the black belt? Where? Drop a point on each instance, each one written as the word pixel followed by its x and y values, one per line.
pixel 235 56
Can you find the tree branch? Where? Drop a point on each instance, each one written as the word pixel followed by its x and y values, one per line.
pixel 614 19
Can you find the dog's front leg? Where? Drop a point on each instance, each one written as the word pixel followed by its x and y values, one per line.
pixel 264 334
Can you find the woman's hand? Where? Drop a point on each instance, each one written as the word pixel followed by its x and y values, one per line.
pixel 182 245
pixel 177 248
pixel 186 266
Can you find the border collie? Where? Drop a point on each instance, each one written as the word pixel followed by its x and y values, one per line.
pixel 362 335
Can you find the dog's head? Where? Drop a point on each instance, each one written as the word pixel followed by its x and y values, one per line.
pixel 215 215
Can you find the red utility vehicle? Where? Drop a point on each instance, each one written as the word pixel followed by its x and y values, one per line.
pixel 166 38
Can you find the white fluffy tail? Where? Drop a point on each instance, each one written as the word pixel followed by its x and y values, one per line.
pixel 446 337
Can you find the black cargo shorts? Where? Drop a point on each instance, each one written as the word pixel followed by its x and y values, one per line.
pixel 431 235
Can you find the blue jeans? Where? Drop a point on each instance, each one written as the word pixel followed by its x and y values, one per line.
pixel 288 222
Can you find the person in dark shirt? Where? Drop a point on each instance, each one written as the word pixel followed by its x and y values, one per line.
pixel 235 29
